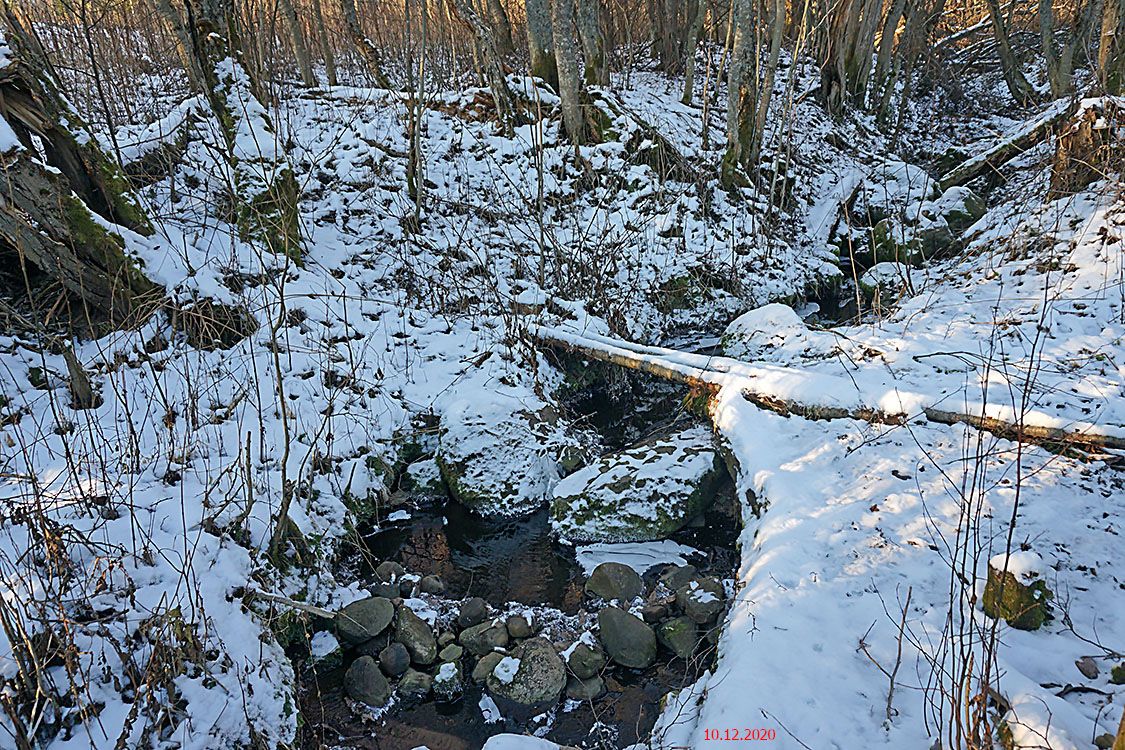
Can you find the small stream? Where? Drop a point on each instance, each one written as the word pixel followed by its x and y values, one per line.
pixel 514 563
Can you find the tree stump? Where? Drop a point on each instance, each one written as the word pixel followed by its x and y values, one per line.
pixel 1089 149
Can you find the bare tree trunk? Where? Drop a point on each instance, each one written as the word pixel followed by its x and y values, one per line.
pixel 300 49
pixel 265 189
pixel 1017 84
pixel 886 48
pixel 489 58
pixel 860 49
pixel 325 44
pixel 593 42
pixel 570 84
pixel 833 71
pixel 1111 48
pixel 690 48
pixel 777 29
pixel 541 42
pixel 1119 743
pixel 742 92
pixel 365 46
pixel 502 27
pixel 175 22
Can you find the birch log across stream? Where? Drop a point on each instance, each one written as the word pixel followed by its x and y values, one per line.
pixel 816 395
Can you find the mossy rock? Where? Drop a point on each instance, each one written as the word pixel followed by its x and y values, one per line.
pixel 1023 604
pixel 643 493
pixel 1117 674
pixel 498 462
pixel 961 208
pixel 890 242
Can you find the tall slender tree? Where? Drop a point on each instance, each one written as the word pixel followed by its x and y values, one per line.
pixel 367 49
pixel 570 84
pixel 541 42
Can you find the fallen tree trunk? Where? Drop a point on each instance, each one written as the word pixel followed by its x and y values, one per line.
pixel 1009 147
pixel 57 210
pixel 712 373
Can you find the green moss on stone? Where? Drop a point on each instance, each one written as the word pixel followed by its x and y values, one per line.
pixel 1024 606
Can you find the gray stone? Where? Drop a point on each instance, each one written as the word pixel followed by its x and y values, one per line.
pixel 406 587
pixel 363 620
pixel 643 493
pixel 488 636
pixel 473 611
pixel 1104 741
pixel 701 599
pixel 500 463
pixel 375 645
pixel 653 613
pixel 389 571
pixel 452 652
pixel 539 678
pixel 675 576
pixel 394 659
pixel 431 585
pixel 1088 667
pixel 448 683
pixel 413 632
pixel 627 640
pixel 385 590
pixel 612 580
pixel 365 683
pixel 586 661
pixel 961 208
pixel 445 638
pixel 415 685
pixel 678 636
pixel 485 666
pixel 519 627
pixel 584 690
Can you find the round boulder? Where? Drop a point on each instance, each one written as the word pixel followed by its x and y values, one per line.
pixel 519 627
pixel 488 636
pixel 394 659
pixel 678 636
pixel 701 599
pixel 613 580
pixel 474 611
pixel 413 632
pixel 415 685
pixel 363 620
pixel 485 666
pixel 448 684
pixel 585 661
pixel 365 683
pixel 533 674
pixel 584 690
pixel 627 640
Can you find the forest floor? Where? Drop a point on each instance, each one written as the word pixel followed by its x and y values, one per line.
pixel 869 549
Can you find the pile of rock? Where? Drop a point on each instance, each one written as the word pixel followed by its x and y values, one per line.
pixel 394 650
pixel 681 611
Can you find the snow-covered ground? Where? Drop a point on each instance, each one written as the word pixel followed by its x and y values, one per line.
pixel 139 531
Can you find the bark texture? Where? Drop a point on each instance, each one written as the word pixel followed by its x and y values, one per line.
pixel 366 48
pixel 541 42
pixel 570 86
pixel 47 210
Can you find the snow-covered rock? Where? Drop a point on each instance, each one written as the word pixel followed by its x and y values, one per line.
pixel 642 493
pixel 773 330
pixel 500 460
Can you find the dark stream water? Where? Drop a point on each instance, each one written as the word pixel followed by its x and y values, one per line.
pixel 517 560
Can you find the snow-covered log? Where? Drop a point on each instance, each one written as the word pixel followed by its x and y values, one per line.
pixel 791 391
pixel 1010 146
